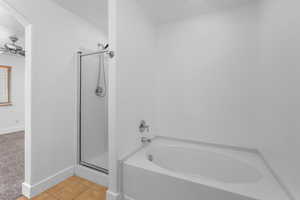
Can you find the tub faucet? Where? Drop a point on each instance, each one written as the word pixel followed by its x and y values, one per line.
pixel 142 127
pixel 145 140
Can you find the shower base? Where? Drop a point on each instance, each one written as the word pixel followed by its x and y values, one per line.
pixel 101 160
pixel 91 175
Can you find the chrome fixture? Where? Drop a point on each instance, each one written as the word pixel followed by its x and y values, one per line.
pixel 143 126
pixel 100 90
pixel 111 54
pixel 146 140
pixel 12 47
pixel 103 46
pixel 150 157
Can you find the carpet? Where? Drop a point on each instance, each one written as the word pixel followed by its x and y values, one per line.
pixel 11 165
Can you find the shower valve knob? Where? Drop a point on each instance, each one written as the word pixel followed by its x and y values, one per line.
pixel 143 126
pixel 111 54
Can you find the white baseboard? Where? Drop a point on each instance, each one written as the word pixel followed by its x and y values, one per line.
pixel 11 130
pixel 32 190
pixel 26 190
pixel 112 195
pixel 91 175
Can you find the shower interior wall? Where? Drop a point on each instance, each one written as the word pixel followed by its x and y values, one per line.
pixel 94 132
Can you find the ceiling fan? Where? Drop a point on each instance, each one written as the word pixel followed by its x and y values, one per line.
pixel 12 47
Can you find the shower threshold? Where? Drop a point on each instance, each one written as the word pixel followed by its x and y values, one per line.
pixel 94 167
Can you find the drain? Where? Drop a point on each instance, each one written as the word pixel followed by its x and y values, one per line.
pixel 150 157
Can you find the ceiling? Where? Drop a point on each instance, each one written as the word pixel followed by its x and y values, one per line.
pixel 163 11
pixel 93 11
pixel 9 26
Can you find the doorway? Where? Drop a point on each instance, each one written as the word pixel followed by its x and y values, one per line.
pixel 14 101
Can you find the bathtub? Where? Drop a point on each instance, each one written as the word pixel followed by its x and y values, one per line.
pixel 171 169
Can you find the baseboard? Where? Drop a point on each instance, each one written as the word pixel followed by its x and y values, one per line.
pixel 91 175
pixel 112 195
pixel 11 130
pixel 32 190
pixel 26 188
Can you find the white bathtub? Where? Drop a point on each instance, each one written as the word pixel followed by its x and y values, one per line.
pixel 169 169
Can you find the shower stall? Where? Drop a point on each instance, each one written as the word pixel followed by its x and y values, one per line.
pixel 93 133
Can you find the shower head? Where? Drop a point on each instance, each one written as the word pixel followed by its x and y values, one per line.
pixel 103 46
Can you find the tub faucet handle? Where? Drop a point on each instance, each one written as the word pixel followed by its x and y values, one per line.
pixel 143 126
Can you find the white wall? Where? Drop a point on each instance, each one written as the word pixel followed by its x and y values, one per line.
pixel 56 37
pixel 206 77
pixel 231 78
pixel 279 83
pixel 135 73
pixel 12 117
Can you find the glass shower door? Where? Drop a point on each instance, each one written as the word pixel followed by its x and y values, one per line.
pixel 93 137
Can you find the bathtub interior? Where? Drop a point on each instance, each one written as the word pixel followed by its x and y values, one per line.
pixel 263 184
pixel 195 163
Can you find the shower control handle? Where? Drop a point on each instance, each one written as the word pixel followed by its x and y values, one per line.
pixel 143 126
pixel 111 54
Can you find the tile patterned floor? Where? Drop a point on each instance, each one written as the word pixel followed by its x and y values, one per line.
pixel 73 188
pixel 11 165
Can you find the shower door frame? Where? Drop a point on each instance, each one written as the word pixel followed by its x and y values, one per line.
pixel 79 144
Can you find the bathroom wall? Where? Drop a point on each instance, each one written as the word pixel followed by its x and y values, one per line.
pixel 186 75
pixel 206 79
pixel 279 88
pixel 231 77
pixel 136 65
pixel 12 117
pixel 56 37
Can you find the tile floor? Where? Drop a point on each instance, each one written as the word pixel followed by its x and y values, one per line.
pixel 73 188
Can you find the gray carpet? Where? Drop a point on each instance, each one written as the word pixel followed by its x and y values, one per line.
pixel 11 165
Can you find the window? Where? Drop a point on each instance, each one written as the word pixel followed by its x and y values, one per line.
pixel 5 73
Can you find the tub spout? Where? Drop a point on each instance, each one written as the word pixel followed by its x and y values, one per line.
pixel 145 140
